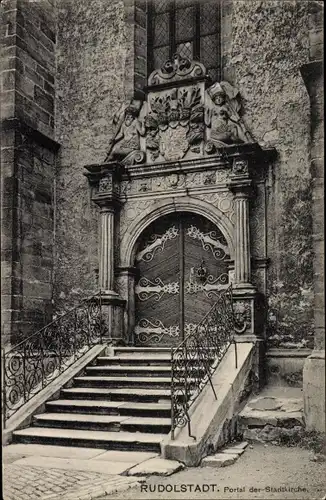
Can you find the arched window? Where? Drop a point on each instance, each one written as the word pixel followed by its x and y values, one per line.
pixel 191 28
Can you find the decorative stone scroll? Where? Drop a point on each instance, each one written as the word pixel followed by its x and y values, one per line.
pixel 176 69
pixel 180 118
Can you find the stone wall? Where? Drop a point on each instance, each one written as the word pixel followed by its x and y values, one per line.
pixel 95 77
pixel 313 75
pixel 29 63
pixel 28 165
pixel 264 45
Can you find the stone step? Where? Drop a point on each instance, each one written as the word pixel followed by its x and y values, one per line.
pixel 121 394
pixel 98 407
pixel 136 359
pixel 161 359
pixel 90 439
pixel 141 351
pixel 136 371
pixel 111 423
pixel 268 418
pixel 116 382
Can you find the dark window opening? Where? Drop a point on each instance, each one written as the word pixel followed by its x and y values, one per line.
pixel 188 27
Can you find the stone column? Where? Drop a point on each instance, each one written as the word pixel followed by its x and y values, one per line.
pixel 244 293
pixel 242 238
pixel 106 268
pixel 104 180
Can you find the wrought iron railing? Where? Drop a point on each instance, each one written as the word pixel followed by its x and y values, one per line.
pixel 196 358
pixel 34 362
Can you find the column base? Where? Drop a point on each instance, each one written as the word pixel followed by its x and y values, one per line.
pixel 113 315
pixel 314 391
pixel 247 287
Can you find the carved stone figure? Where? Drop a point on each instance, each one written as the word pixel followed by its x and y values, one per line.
pixel 152 137
pixel 125 144
pixel 222 115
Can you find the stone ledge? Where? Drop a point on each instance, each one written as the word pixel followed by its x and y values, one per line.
pixel 19 125
pixel 275 352
pixel 209 416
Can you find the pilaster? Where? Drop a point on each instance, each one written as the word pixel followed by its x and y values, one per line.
pixel 105 184
pixel 240 185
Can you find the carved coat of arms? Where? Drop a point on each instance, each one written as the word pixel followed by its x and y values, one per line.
pixel 174 143
pixel 179 119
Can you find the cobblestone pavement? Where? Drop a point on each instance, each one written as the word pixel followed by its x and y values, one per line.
pixel 37 483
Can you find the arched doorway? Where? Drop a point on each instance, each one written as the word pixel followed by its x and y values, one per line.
pixel 181 262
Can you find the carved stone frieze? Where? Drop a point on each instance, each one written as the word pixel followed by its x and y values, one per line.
pixel 130 211
pixel 194 179
pixel 175 181
pixel 240 167
pixel 105 184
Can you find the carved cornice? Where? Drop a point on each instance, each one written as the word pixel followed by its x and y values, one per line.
pixel 95 172
pixel 241 187
pixel 257 157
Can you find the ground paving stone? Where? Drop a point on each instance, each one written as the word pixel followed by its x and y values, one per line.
pixel 156 466
pixel 104 467
pixel 22 482
pixel 233 451
pixel 219 460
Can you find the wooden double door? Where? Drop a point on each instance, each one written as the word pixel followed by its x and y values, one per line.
pixel 181 263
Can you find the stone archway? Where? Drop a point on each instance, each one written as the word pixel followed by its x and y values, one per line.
pixel 126 278
pixel 171 205
pixel 181 262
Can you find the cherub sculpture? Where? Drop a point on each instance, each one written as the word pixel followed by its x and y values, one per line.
pixel 222 115
pixel 129 129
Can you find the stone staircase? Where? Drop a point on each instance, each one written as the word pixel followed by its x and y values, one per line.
pixel 120 402
pixel 275 415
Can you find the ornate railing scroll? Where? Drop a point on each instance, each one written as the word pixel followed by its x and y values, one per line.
pixel 196 358
pixel 34 362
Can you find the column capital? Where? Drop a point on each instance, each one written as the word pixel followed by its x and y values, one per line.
pixel 106 207
pixel 108 202
pixel 241 188
pixel 105 183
